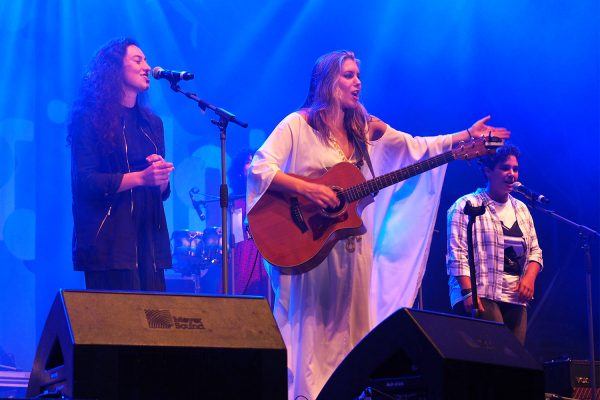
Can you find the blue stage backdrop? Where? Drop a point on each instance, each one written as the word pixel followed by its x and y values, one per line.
pixel 427 68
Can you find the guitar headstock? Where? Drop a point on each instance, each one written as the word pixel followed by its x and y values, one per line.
pixel 477 147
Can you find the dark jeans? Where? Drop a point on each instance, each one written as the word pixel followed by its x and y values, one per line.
pixel 514 316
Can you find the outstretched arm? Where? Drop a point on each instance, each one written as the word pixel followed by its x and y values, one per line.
pixel 377 128
pixel 480 128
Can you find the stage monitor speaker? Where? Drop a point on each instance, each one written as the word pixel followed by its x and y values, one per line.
pixel 453 358
pixel 124 345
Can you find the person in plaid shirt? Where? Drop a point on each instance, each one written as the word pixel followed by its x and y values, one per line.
pixel 507 255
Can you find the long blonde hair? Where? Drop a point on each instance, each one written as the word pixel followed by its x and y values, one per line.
pixel 321 97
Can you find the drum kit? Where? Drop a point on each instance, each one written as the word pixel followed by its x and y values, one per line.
pixel 195 252
pixel 197 255
pixel 197 260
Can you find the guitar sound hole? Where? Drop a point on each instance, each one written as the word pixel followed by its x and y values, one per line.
pixel 333 211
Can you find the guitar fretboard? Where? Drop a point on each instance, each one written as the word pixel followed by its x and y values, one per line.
pixel 364 189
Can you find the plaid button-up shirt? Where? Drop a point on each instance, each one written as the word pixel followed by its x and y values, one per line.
pixel 488 248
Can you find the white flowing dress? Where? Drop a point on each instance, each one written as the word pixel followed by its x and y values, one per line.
pixel 323 313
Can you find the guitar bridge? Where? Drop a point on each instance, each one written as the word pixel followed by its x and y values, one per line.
pixel 297 215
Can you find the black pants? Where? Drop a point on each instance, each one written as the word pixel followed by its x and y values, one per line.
pixel 514 316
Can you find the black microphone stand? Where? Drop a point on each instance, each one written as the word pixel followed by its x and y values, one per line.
pixel 473 212
pixel 584 235
pixel 225 117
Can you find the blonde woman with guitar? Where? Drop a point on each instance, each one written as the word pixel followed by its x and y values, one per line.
pixel 307 192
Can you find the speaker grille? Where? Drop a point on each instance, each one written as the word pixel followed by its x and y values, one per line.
pixel 107 345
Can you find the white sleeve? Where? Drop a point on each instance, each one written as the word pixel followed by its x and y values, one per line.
pixel 271 157
pixel 396 145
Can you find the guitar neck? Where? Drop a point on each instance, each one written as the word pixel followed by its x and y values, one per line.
pixel 374 185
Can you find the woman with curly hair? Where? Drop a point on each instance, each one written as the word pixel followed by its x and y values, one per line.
pixel 119 176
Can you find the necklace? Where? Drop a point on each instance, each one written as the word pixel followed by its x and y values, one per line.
pixel 338 148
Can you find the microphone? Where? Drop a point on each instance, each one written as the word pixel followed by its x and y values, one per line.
pixel 171 76
pixel 530 194
pixel 197 204
pixel 198 207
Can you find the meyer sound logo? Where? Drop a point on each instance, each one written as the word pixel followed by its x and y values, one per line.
pixel 163 319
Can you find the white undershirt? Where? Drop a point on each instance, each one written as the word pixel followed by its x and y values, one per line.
pixel 506 213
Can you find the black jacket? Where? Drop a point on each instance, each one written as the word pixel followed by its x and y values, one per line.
pixel 105 233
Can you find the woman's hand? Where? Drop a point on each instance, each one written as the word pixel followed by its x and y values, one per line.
pixel 157 173
pixel 319 194
pixel 480 128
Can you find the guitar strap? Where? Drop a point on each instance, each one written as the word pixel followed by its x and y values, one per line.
pixel 364 154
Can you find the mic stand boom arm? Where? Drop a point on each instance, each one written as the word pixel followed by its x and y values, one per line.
pixel 225 117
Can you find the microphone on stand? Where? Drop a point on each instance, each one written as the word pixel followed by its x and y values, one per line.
pixel 197 204
pixel 171 76
pixel 530 194
pixel 198 208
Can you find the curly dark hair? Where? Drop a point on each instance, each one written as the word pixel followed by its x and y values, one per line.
pixel 500 155
pixel 98 104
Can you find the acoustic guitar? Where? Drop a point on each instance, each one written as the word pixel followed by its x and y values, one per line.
pixel 295 235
